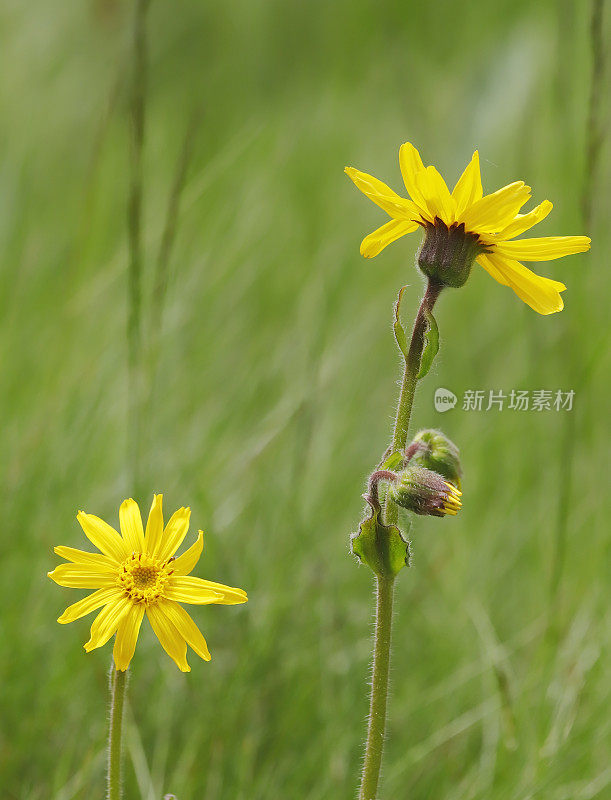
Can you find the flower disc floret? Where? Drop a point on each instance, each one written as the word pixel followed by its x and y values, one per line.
pixel 143 579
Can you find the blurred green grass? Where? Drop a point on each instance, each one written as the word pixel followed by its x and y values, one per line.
pixel 276 394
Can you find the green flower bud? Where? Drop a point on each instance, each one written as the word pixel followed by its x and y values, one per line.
pixel 447 254
pixel 432 449
pixel 425 492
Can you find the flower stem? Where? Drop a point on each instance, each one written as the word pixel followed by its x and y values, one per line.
pixel 410 379
pixel 384 584
pixel 412 366
pixel 379 690
pixel 118 682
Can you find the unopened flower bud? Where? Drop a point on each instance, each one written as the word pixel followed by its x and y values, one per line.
pixel 425 492
pixel 447 253
pixel 432 449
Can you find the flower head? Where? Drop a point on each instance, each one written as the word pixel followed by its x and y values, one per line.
pixel 434 450
pixel 425 492
pixel 136 572
pixel 465 225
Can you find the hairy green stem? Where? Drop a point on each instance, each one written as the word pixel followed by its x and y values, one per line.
pixel 412 366
pixel 384 585
pixel 408 385
pixel 118 681
pixel 379 690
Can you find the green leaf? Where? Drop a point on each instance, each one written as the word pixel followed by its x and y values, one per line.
pixel 393 461
pixel 398 327
pixel 431 346
pixel 380 546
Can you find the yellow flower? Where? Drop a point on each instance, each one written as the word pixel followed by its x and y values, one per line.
pixel 136 572
pixel 484 227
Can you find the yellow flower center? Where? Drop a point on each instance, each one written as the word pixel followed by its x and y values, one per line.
pixel 143 578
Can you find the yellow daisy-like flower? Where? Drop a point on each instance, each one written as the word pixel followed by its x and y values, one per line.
pixel 464 225
pixel 136 572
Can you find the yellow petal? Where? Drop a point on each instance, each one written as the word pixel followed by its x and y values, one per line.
pixel 377 241
pixel 382 195
pixel 439 200
pixel 485 262
pixel 174 533
pixel 523 222
pixel 107 622
pixel 186 627
pixel 201 592
pixel 172 642
pixel 80 576
pixel 103 536
pixel 127 636
pixel 411 164
pixel 185 563
pixel 545 249
pixel 468 189
pixel 541 294
pixel 130 521
pixel 97 560
pixel 89 604
pixel 154 526
pixel 182 592
pixel 495 211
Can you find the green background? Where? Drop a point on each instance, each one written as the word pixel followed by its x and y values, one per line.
pixel 276 391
